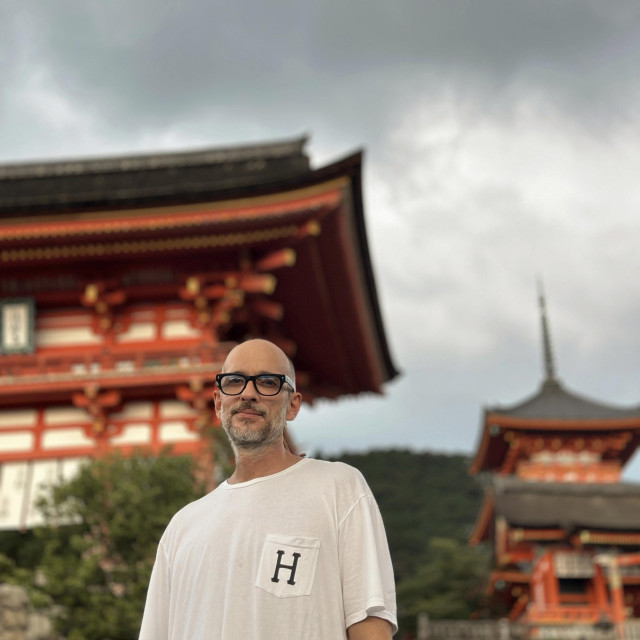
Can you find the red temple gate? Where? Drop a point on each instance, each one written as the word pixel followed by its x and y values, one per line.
pixel 124 282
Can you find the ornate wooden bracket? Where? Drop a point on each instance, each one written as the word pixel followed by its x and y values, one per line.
pixel 102 297
pixel 200 397
pixel 98 405
pixel 217 296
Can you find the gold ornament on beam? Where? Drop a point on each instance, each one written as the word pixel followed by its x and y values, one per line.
pixel 276 260
pixel 96 296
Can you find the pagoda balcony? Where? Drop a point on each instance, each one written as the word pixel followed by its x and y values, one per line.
pixel 563 614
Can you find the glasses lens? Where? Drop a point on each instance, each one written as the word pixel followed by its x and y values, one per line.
pixel 268 385
pixel 232 385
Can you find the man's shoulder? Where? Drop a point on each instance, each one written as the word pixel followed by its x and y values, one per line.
pixel 190 511
pixel 338 471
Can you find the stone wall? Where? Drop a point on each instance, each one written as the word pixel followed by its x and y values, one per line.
pixel 18 621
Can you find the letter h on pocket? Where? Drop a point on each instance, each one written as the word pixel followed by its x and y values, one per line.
pixel 291 567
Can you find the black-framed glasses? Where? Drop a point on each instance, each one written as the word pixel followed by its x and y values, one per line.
pixel 266 384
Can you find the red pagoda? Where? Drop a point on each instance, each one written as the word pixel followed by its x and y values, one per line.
pixel 564 529
pixel 125 281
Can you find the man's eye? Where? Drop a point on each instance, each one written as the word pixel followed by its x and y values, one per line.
pixel 234 380
pixel 270 382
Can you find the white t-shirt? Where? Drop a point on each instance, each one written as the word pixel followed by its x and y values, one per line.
pixel 298 555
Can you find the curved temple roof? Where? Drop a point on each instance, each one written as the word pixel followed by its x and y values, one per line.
pixel 201 204
pixel 148 179
pixel 554 402
pixel 614 506
pixel 552 408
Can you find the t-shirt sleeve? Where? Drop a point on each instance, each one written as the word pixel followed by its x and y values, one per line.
pixel 155 621
pixel 365 564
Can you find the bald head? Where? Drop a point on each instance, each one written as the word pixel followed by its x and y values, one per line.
pixel 258 356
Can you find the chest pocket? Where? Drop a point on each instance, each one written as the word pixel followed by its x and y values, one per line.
pixel 288 565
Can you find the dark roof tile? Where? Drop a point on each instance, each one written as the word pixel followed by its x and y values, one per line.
pixel 614 506
pixel 137 179
pixel 554 402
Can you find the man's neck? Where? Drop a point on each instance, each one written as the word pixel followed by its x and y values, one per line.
pixel 252 463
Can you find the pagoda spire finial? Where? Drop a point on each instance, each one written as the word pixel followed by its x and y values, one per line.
pixel 549 365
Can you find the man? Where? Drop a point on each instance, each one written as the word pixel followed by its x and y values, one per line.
pixel 288 548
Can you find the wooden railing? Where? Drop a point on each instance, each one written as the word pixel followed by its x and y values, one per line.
pixel 63 368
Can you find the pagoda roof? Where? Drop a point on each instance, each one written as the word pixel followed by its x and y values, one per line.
pixel 554 402
pixel 570 506
pixel 552 409
pixel 155 178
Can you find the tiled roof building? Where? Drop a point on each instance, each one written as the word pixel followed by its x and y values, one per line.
pixel 125 281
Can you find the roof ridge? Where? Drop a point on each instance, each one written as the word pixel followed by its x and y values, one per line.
pixel 150 161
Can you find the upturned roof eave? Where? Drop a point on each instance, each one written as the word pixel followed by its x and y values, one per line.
pixel 179 192
pixel 480 461
pixel 567 505
pixel 554 402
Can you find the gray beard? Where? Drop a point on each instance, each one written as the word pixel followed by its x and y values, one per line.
pixel 244 436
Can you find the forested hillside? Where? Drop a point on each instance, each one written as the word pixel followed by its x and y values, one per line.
pixel 429 504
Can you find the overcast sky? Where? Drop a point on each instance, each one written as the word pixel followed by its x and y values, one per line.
pixel 502 145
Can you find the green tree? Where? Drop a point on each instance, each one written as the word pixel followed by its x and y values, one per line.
pixel 100 542
pixel 447 584
pixel 428 503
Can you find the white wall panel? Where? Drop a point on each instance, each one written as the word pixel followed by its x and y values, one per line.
pixel 76 336
pixel 20 418
pixel 176 432
pixel 138 331
pixel 65 438
pixel 139 410
pixel 175 408
pixel 179 329
pixel 135 434
pixel 16 442
pixel 65 415
pixel 22 483
pixel 13 491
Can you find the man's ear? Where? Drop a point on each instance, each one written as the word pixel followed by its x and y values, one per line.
pixel 295 400
pixel 216 400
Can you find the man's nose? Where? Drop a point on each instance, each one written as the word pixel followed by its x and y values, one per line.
pixel 250 391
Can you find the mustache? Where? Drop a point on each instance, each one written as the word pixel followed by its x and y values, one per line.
pixel 244 406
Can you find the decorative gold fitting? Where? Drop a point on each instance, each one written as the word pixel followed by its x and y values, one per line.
pixel 91 293
pixel 269 285
pixel 313 228
pixel 193 285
